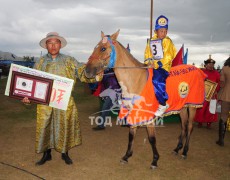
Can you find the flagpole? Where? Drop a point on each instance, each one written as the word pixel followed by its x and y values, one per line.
pixel 151 19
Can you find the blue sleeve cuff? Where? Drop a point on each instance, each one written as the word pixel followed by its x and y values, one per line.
pixel 160 64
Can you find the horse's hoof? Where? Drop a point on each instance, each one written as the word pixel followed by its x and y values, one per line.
pixel 183 157
pixel 122 161
pixel 153 167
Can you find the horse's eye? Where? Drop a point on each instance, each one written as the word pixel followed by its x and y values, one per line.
pixel 103 49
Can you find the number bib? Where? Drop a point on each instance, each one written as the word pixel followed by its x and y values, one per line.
pixel 157 49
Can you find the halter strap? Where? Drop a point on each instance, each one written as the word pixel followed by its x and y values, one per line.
pixel 113 55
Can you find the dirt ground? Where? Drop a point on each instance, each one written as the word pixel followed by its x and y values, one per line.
pixel 99 155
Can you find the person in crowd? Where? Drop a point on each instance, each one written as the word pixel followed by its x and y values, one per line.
pixel 203 115
pixel 0 73
pixel 56 129
pixel 159 54
pixel 224 96
pixel 110 93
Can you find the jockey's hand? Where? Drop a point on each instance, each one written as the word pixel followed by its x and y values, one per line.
pixel 151 65
pixel 26 100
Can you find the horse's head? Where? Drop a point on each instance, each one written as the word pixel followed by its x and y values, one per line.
pixel 103 56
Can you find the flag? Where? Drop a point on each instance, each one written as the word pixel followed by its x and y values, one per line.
pixel 128 47
pixel 179 57
pixel 186 57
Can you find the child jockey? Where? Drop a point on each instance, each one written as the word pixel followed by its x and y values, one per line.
pixel 159 54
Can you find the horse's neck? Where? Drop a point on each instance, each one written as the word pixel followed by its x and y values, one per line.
pixel 133 78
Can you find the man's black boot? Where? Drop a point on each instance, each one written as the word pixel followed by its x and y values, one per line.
pixel 66 158
pixel 46 157
pixel 222 129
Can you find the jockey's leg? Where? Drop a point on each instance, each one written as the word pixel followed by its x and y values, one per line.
pixel 159 83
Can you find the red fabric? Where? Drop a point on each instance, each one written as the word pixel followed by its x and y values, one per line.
pixel 98 90
pixel 179 57
pixel 202 114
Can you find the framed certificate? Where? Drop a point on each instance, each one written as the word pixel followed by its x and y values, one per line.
pixel 210 88
pixel 37 89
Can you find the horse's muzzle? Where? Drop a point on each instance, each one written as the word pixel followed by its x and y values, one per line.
pixel 90 72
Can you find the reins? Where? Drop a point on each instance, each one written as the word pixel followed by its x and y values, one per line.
pixel 125 67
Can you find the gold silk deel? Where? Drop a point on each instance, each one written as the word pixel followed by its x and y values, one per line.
pixel 57 128
pixel 169 51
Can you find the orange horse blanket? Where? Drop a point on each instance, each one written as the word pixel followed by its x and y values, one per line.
pixel 185 87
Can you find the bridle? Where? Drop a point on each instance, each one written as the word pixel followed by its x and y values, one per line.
pixel 112 60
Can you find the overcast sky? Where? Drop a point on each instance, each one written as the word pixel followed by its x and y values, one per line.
pixel 203 26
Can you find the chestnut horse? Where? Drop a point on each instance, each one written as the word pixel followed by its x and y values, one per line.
pixel 132 76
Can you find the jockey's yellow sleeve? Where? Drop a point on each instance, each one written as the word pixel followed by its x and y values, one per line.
pixel 169 51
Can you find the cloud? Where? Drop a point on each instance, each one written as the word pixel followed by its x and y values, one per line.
pixel 203 26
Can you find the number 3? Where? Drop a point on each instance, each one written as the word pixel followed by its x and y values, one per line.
pixel 154 49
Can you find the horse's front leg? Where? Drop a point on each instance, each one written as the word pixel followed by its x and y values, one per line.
pixel 192 113
pixel 152 141
pixel 129 152
pixel 184 120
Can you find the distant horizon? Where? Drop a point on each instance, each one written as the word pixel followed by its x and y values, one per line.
pixel 37 58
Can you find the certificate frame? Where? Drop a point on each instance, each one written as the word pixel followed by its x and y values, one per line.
pixel 210 88
pixel 37 89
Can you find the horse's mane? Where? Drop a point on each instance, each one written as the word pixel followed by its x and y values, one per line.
pixel 138 63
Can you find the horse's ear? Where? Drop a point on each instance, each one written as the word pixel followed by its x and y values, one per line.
pixel 115 35
pixel 102 35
